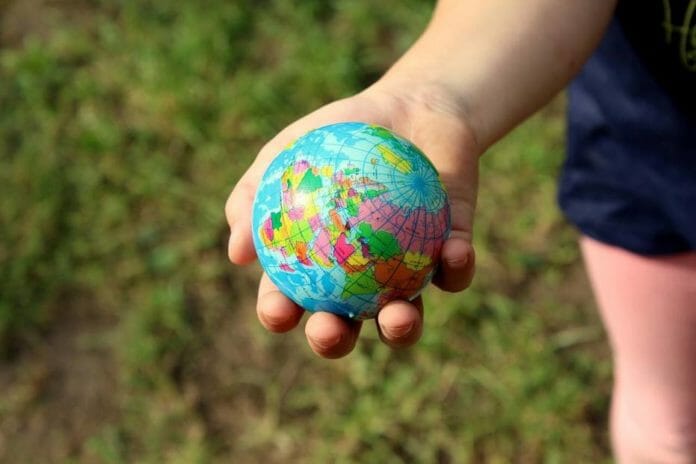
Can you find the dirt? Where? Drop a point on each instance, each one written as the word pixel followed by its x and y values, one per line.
pixel 59 391
pixel 20 19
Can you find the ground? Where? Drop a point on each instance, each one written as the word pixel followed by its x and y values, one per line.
pixel 126 336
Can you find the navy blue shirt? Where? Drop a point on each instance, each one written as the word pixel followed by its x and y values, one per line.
pixel 630 176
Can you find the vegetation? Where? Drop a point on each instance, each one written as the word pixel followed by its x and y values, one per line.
pixel 126 336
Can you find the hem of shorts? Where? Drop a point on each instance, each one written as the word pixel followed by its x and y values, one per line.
pixel 634 246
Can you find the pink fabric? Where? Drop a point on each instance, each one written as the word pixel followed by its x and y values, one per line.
pixel 648 305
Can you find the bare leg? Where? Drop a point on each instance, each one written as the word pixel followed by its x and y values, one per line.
pixel 648 306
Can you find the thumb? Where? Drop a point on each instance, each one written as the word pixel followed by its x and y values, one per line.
pixel 240 248
pixel 451 147
pixel 458 259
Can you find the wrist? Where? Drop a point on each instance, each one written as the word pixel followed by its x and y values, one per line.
pixel 421 103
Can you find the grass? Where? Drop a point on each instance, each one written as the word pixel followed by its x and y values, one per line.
pixel 125 336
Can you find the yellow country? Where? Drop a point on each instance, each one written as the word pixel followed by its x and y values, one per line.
pixel 416 261
pixel 392 158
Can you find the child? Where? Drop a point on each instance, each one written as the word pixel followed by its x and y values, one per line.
pixel 629 183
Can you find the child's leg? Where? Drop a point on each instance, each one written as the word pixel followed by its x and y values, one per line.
pixel 649 309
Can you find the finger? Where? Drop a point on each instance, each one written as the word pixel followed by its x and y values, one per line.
pixel 330 336
pixel 400 323
pixel 240 247
pixel 276 312
pixel 457 264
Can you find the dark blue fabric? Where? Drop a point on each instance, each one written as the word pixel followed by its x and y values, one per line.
pixel 630 176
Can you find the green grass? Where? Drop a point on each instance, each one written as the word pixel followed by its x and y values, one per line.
pixel 122 130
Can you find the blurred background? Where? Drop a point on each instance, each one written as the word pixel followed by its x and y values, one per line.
pixel 126 336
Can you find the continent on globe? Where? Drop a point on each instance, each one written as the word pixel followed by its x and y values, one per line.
pixel 349 217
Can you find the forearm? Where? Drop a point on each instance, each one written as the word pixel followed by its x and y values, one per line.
pixel 500 60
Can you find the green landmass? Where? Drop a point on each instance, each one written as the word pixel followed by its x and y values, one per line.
pixel 360 283
pixel 277 219
pixel 382 133
pixel 310 182
pixel 353 207
pixel 382 244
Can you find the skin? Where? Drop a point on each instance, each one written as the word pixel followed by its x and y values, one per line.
pixel 477 71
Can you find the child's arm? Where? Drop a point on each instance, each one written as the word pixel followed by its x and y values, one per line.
pixel 498 61
pixel 477 70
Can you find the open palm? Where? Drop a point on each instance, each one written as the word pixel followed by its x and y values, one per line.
pixel 442 133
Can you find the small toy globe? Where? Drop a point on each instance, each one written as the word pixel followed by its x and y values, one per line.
pixel 349 217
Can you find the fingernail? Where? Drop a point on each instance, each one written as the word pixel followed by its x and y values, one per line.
pixel 327 343
pixel 398 331
pixel 457 253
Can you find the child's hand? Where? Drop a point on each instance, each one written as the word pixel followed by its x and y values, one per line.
pixel 430 119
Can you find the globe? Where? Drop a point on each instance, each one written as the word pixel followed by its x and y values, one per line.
pixel 349 217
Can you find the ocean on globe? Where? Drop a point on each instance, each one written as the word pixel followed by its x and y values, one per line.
pixel 349 217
